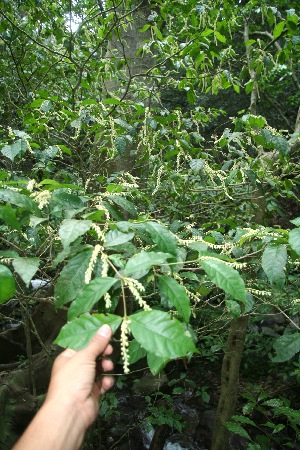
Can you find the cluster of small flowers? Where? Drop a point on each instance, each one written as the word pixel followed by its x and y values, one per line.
pixel 135 286
pixel 158 179
pixel 104 259
pixel 107 300
pixel 100 233
pixel 237 265
pixel 42 198
pixel 192 296
pixel 125 344
pixel 88 273
pixel 31 184
pixel 259 293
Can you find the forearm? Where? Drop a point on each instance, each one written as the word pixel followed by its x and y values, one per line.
pixel 55 427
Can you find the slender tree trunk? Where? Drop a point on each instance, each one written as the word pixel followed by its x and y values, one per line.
pixel 229 381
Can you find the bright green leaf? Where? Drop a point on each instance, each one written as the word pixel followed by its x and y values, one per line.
pixel 225 277
pixel 8 215
pixel 7 284
pixel 71 279
pixel 89 295
pixel 274 259
pixel 78 333
pixel 26 268
pixel 144 261
pixel 135 351
pixel 278 29
pixel 156 363
pixel 163 238
pixel 237 429
pixel 176 295
pixel 294 240
pixel 71 229
pixel 157 333
pixel 115 237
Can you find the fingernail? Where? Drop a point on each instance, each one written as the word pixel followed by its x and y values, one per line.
pixel 105 330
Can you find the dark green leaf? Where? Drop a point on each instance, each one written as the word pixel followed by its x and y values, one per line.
pixel 26 268
pixel 294 240
pixel 163 238
pixel 286 347
pixel 157 333
pixel 144 261
pixel 124 203
pixel 78 333
pixel 225 277
pixel 71 229
pixel 176 295
pixel 274 259
pixel 115 237
pixel 89 295
pixel 71 280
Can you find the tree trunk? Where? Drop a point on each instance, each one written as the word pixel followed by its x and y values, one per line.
pixel 229 381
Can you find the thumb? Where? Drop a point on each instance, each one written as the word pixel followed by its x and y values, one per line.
pixel 100 341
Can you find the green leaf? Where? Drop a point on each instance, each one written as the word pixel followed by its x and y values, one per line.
pixel 176 295
pixel 144 261
pixel 156 363
pixel 71 280
pixel 115 237
pixel 196 164
pixel 79 332
pixel 68 201
pixel 111 101
pixel 15 149
pixel 243 419
pixel 135 351
pixel 237 429
pixel 163 238
pixel 225 277
pixel 71 229
pixel 286 347
pixel 124 203
pixel 120 144
pixel 89 295
pixel 7 284
pixel 21 200
pixel 8 215
pixel 296 221
pixel 294 240
pixel 274 259
pixel 220 37
pixel 278 29
pixel 157 333
pixel 234 308
pixel 26 268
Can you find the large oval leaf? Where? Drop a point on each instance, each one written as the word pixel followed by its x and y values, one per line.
pixel 286 347
pixel 225 277
pixel 78 333
pixel 7 284
pixel 294 240
pixel 273 263
pixel 89 295
pixel 71 280
pixel 163 238
pixel 157 333
pixel 176 295
pixel 71 229
pixel 26 268
pixel 144 261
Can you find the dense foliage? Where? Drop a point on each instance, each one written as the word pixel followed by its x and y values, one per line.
pixel 150 172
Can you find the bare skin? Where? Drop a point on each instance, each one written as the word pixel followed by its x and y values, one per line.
pixel 71 403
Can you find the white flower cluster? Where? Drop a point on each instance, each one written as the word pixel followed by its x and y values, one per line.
pixel 31 184
pixel 158 179
pixel 259 293
pixel 135 286
pixel 125 344
pixel 89 271
pixel 42 198
pixel 100 233
pixel 104 259
pixel 107 300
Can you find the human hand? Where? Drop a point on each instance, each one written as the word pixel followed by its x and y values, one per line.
pixel 77 381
